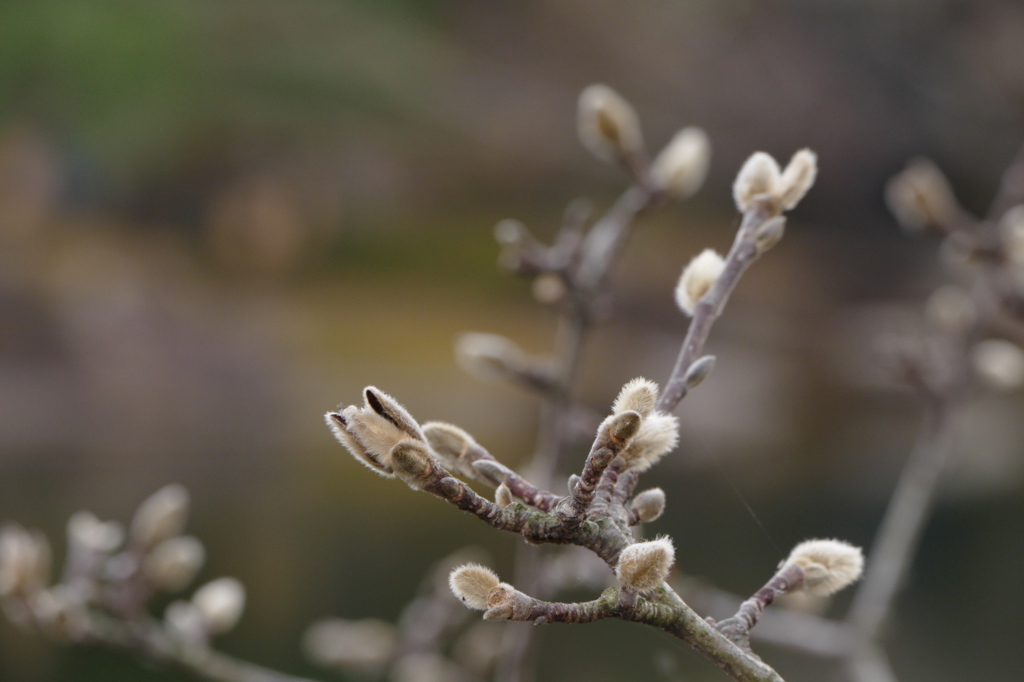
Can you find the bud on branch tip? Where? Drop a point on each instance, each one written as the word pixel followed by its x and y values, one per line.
pixel 645 565
pixel 829 565
pixel 472 583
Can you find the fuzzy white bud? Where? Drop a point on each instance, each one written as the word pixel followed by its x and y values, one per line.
pixel 649 505
pixel 697 279
pixel 638 395
pixel 608 126
pixel 759 175
pixel 174 563
pixel 221 603
pixel 682 165
pixel 797 178
pixel 161 516
pixel 999 363
pixel 645 565
pixel 472 583
pixel 829 565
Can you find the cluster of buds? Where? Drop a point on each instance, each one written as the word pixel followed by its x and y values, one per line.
pixel 113 575
pixel 985 317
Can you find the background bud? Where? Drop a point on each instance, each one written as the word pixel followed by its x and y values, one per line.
pixel 161 516
pixel 682 165
pixel 608 127
pixel 221 603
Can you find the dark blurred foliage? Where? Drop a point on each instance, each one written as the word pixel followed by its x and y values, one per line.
pixel 218 219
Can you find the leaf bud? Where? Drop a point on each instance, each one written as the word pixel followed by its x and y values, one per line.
pixel 699 371
pixel 503 496
pixel 649 505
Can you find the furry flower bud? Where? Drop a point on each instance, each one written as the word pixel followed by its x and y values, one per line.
pixel 449 444
pixel 760 175
pixel 371 432
pixel 161 516
pixel 658 435
pixel 697 279
pixel 829 565
pixel 797 178
pixel 682 165
pixel 411 461
pixel 644 565
pixel 220 603
pixel 608 126
pixel 472 583
pixel 649 505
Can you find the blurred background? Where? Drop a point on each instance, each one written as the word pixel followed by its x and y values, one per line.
pixel 220 219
